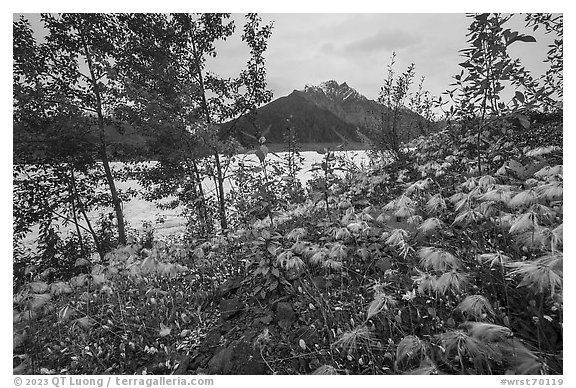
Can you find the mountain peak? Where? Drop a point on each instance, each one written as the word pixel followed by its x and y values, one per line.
pixel 327 113
pixel 334 91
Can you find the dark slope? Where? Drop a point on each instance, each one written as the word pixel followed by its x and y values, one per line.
pixel 327 113
pixel 313 124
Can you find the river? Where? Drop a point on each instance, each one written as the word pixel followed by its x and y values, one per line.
pixel 138 211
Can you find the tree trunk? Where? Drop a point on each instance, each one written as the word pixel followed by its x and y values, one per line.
pixel 204 208
pixel 76 198
pixel 72 190
pixel 103 153
pixel 92 232
pixel 117 203
pixel 219 176
pixel 221 202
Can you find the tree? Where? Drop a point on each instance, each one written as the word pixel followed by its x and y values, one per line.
pixel 486 70
pixel 56 151
pixel 554 76
pixel 163 64
pixel 421 102
pixel 63 83
pixel 393 95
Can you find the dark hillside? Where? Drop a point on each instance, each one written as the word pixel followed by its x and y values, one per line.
pixel 328 113
pixel 313 124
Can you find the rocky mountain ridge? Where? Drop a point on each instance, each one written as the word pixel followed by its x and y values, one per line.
pixel 330 112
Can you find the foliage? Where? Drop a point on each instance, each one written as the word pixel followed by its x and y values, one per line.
pixel 553 78
pixel 100 85
pixel 448 260
pixel 393 95
pixel 63 133
pixel 293 161
pixel 178 102
pixel 409 113
pixel 267 187
pixel 326 179
pixel 118 317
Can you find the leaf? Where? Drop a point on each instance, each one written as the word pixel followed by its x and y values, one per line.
pixel 476 306
pixel 375 307
pixel 325 370
pixel 149 265
pixel 524 121
pixel 29 270
pixel 65 313
pixel 86 323
pixel 98 279
pixel 430 225
pixel 98 269
pixel 515 166
pixel 273 249
pixel 526 38
pixel 28 315
pixel 260 154
pixel 38 300
pixel 264 150
pixel 524 198
pixel 16 316
pixel 18 339
pixel 59 288
pixel 166 269
pixel 493 258
pixel 199 253
pixel 164 330
pixel 38 287
pixel 487 331
pixel 437 259
pixel 409 347
pixel 81 262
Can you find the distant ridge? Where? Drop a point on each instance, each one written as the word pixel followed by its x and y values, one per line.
pixel 327 113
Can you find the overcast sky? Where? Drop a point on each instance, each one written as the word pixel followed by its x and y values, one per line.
pixel 356 48
pixel 309 48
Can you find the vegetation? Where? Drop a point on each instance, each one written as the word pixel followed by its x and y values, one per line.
pixel 444 260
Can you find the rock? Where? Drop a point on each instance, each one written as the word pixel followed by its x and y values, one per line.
pixel 228 287
pixel 229 307
pixel 159 366
pixel 239 358
pixel 220 363
pixel 294 273
pixel 183 363
pixel 285 315
pixel 307 333
pixel 247 360
pixel 201 360
pixel 265 320
pixel 212 339
pixel 250 335
pixel 383 264
pixel 320 282
pixel 226 327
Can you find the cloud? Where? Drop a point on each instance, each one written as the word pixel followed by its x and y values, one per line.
pixel 383 40
pixel 328 48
